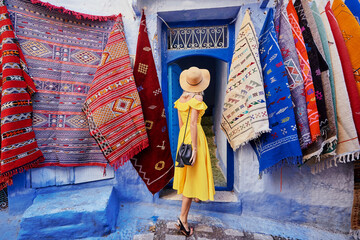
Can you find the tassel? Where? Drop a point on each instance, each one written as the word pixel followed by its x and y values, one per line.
pixel 76 14
pixel 313 170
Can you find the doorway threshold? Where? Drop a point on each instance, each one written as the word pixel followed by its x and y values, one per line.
pixel 220 196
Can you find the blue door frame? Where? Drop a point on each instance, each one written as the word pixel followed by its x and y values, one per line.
pixel 224 54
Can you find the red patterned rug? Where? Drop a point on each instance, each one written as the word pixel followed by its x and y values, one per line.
pixel 113 106
pixel 154 165
pixel 19 149
pixel 62 52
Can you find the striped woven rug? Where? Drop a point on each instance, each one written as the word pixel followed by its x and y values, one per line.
pixel 62 53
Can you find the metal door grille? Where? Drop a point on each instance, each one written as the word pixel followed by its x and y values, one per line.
pixel 3 199
pixel 198 38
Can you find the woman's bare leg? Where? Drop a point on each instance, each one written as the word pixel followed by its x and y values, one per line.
pixel 185 208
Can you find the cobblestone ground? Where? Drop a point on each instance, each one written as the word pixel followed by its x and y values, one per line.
pixel 164 230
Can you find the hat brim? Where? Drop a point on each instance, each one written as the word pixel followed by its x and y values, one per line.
pixel 199 87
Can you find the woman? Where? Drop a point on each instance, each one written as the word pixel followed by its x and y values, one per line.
pixel 195 181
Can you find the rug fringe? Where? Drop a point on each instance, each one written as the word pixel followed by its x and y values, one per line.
pixel 328 163
pixel 317 154
pixel 6 177
pixel 5 184
pixel 355 234
pixel 318 167
pixel 257 135
pixel 294 160
pixel 78 15
pixel 116 164
pixel 25 167
pixel 348 157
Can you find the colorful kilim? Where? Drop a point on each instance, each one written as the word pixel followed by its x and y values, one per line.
pixel 317 65
pixel 346 66
pixel 19 149
pixel 348 142
pixel 321 83
pixel 282 142
pixel 330 138
pixel 245 116
pixel 113 106
pixel 154 164
pixel 350 30
pixel 329 148
pixel 312 111
pixel 63 54
pixel 295 79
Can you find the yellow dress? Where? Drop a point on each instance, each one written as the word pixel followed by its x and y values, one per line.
pixel 194 181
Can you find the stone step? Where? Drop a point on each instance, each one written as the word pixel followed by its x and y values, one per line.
pixel 87 212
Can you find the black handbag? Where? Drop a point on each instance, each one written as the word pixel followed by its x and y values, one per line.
pixel 185 150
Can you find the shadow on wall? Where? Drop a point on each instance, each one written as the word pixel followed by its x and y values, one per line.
pixel 323 200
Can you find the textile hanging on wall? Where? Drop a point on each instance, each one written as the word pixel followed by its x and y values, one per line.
pixel 347 138
pixel 154 164
pixel 113 106
pixel 19 149
pixel 346 66
pixel 292 66
pixel 330 139
pixel 317 65
pixel 282 142
pixel 325 51
pixel 329 148
pixel 316 148
pixel 354 7
pixel 62 53
pixel 244 115
pixel 350 30
pixel 312 111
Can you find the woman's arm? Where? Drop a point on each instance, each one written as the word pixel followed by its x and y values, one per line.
pixel 193 127
pixel 180 121
pixel 193 130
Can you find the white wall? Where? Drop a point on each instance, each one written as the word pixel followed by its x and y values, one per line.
pixel 220 138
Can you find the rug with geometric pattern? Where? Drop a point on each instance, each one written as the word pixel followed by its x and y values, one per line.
pixel 62 53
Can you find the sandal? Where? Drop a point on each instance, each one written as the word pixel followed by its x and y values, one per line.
pixel 183 229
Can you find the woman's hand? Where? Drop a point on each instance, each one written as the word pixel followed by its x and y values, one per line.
pixel 193 157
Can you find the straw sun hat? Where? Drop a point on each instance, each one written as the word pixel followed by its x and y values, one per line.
pixel 194 79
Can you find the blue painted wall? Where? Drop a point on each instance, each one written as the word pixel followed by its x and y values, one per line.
pixel 323 200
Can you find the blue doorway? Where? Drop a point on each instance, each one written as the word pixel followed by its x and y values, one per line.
pixel 216 57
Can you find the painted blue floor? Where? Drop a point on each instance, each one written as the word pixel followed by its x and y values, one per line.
pixel 137 218
pixel 9 225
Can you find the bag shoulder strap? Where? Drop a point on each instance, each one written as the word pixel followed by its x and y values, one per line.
pixel 187 121
pixel 186 124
